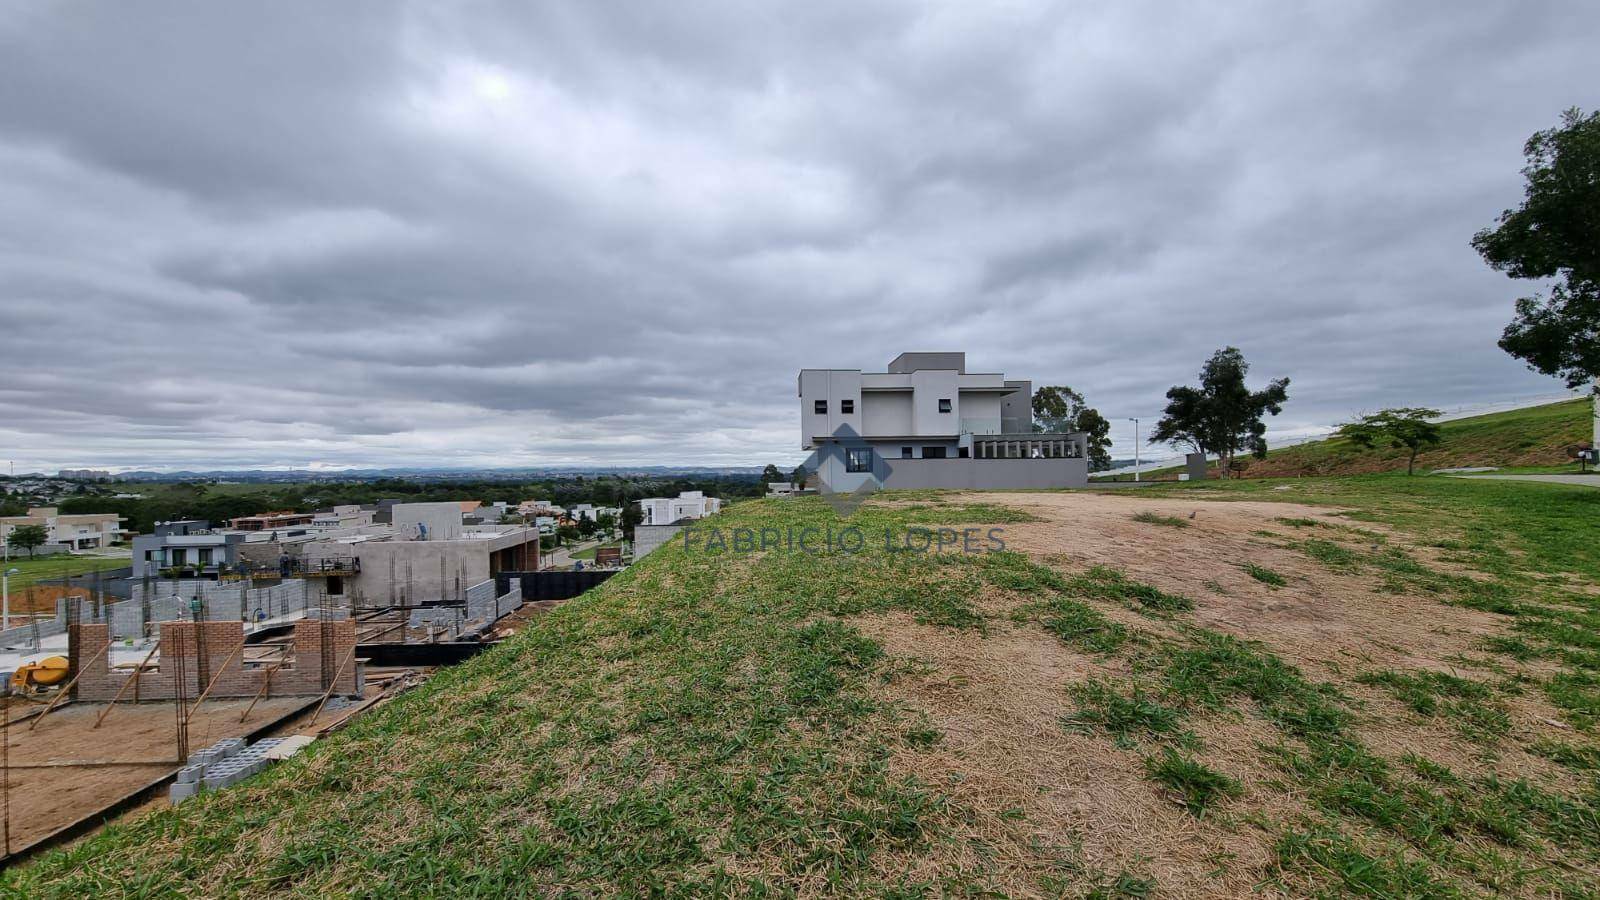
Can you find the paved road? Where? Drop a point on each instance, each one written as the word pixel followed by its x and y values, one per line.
pixel 561 557
pixel 1588 480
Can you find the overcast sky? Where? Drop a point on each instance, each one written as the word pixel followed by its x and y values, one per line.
pixel 266 234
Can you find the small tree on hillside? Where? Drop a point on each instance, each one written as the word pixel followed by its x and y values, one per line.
pixel 1058 408
pixel 1405 427
pixel 771 474
pixel 27 537
pixel 1222 415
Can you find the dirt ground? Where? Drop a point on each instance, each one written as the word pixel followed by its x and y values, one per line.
pixel 1328 620
pixel 1000 699
pixel 65 769
pixel 999 702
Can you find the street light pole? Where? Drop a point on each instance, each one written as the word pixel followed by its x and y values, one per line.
pixel 5 594
pixel 5 585
pixel 1135 448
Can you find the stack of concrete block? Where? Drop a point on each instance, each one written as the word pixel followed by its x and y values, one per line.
pixel 223 764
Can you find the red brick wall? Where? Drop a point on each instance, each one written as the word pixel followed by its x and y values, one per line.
pixel 207 653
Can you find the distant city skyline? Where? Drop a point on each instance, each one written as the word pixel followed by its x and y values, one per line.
pixel 401 235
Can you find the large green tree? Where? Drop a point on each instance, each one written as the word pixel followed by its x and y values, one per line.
pixel 1555 234
pixel 27 537
pixel 1058 408
pixel 1222 415
pixel 771 474
pixel 1401 428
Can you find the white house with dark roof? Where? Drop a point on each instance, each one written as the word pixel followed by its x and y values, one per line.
pixel 928 422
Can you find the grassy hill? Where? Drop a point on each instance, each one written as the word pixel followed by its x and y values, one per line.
pixel 1534 437
pixel 1021 723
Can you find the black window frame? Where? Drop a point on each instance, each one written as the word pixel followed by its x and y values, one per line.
pixel 847 407
pixel 934 453
pixel 908 453
pixel 851 462
pixel 820 407
pixel 945 405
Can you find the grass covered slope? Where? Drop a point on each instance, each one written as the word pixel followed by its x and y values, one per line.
pixel 1537 436
pixel 697 724
pixel 777 723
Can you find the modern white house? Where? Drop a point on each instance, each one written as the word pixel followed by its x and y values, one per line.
pixel 591 512
pixel 346 516
pixel 687 505
pixel 929 423
pixel 90 531
pixel 190 547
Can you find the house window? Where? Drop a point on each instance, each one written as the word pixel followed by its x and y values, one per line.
pixel 858 459
pixel 821 407
pixel 944 406
pixel 905 453
pixel 205 556
pixel 933 453
pixel 847 406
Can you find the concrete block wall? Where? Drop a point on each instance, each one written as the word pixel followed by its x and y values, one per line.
pixel 130 618
pixel 24 634
pixel 232 602
pixel 127 619
pixel 648 537
pixel 483 607
pixel 83 610
pixel 983 473
pixel 208 653
pixel 510 600
pixel 482 603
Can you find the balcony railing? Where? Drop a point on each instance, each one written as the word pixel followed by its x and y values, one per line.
pixel 980 426
pixel 288 567
pixel 330 565
pixel 1029 446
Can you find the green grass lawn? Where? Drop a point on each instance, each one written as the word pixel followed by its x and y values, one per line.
pixel 712 723
pixel 1521 440
pixel 58 566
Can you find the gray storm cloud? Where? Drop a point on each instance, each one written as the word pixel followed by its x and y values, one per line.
pixel 480 234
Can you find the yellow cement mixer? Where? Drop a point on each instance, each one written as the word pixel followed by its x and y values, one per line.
pixel 49 671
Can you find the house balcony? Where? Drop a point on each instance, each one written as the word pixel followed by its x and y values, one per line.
pixel 326 567
pixel 981 426
pixel 190 570
pixel 1026 445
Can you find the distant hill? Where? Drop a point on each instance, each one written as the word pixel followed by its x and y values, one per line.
pixel 1534 436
